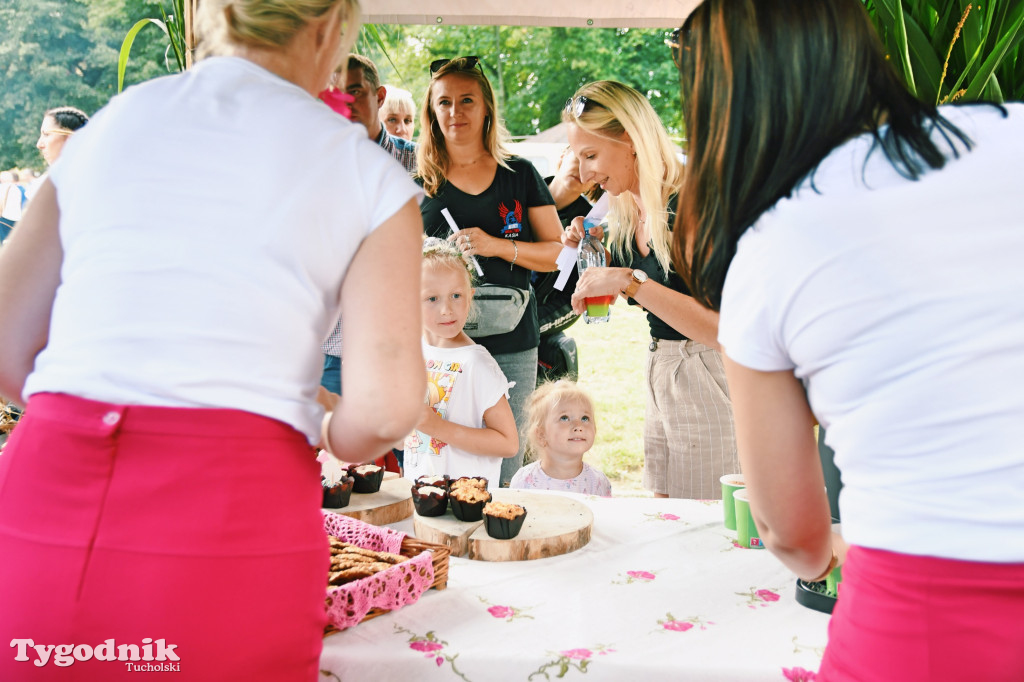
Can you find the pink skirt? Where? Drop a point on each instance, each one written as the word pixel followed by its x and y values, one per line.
pixel 922 619
pixel 189 540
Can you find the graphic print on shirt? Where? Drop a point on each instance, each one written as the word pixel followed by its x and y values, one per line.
pixel 441 380
pixel 513 218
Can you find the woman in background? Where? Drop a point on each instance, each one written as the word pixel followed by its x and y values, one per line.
pixel 621 144
pixel 57 126
pixel 398 113
pixel 505 212
pixel 864 249
pixel 161 490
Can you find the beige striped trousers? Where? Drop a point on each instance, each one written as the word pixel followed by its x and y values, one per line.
pixel 689 440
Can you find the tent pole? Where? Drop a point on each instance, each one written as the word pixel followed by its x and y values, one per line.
pixel 190 36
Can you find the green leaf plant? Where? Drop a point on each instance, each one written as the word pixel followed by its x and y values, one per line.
pixel 954 50
pixel 173 27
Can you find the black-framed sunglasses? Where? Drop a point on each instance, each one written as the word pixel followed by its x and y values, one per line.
pixel 675 43
pixel 577 105
pixel 469 64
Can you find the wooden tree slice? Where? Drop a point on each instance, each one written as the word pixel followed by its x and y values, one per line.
pixel 392 503
pixel 445 530
pixel 554 525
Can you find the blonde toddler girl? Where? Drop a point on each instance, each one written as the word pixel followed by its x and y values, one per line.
pixel 560 429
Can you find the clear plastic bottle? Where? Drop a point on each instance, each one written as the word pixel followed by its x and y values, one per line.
pixel 592 255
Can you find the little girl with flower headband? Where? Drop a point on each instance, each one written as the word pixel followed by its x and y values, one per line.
pixel 467 425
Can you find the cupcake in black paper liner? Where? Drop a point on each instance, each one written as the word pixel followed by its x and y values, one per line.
pixel 337 494
pixel 468 502
pixel 503 521
pixel 468 481
pixel 429 500
pixel 437 480
pixel 368 477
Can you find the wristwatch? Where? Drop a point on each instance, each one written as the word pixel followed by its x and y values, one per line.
pixel 639 277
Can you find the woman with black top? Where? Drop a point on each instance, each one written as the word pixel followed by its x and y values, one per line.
pixel 622 146
pixel 505 213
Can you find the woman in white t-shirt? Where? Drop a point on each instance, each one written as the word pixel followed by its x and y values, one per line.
pixel 162 491
pixel 864 249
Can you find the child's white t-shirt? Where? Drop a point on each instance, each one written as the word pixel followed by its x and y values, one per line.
pixel 589 482
pixel 462 384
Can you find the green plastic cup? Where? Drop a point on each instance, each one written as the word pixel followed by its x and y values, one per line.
pixel 833 580
pixel 746 532
pixel 730 484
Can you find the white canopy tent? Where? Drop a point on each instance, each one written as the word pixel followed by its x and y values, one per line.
pixel 580 13
pixel 588 13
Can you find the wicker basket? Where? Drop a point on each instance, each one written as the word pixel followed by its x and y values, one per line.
pixel 9 415
pixel 412 547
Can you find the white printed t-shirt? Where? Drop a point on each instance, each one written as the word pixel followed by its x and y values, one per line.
pixel 208 220
pixel 900 306
pixel 462 384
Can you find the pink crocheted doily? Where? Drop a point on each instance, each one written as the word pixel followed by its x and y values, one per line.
pixel 390 589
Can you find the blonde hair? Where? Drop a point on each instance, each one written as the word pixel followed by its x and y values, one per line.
pixel 441 253
pixel 397 102
pixel 432 152
pixel 612 109
pixel 543 401
pixel 268 24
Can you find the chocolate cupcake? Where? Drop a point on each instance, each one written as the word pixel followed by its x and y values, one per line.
pixel 468 502
pixel 337 494
pixel 503 521
pixel 430 500
pixel 436 480
pixel 368 477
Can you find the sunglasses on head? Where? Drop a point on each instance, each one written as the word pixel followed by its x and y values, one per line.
pixel 675 43
pixel 467 64
pixel 577 105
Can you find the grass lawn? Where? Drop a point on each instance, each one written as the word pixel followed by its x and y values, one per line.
pixel 612 358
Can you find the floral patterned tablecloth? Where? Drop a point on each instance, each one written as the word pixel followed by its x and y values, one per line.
pixel 659 593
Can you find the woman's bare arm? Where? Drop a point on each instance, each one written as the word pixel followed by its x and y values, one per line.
pixel 539 255
pixel 384 381
pixel 779 458
pixel 30 263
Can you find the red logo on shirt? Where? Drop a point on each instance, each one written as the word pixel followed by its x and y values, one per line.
pixel 513 219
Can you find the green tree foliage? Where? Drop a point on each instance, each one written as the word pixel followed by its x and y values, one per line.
pixel 64 52
pixel 536 69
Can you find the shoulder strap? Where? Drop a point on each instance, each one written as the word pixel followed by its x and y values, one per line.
pixel 24 197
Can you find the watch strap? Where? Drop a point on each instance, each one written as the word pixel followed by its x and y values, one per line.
pixel 634 285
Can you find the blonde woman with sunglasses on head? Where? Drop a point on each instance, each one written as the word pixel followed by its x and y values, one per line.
pixel 623 147
pixel 506 214
pixel 161 491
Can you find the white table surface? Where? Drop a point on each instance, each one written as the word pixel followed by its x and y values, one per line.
pixel 659 593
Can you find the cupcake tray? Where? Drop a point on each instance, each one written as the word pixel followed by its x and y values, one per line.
pixel 554 525
pixel 392 503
